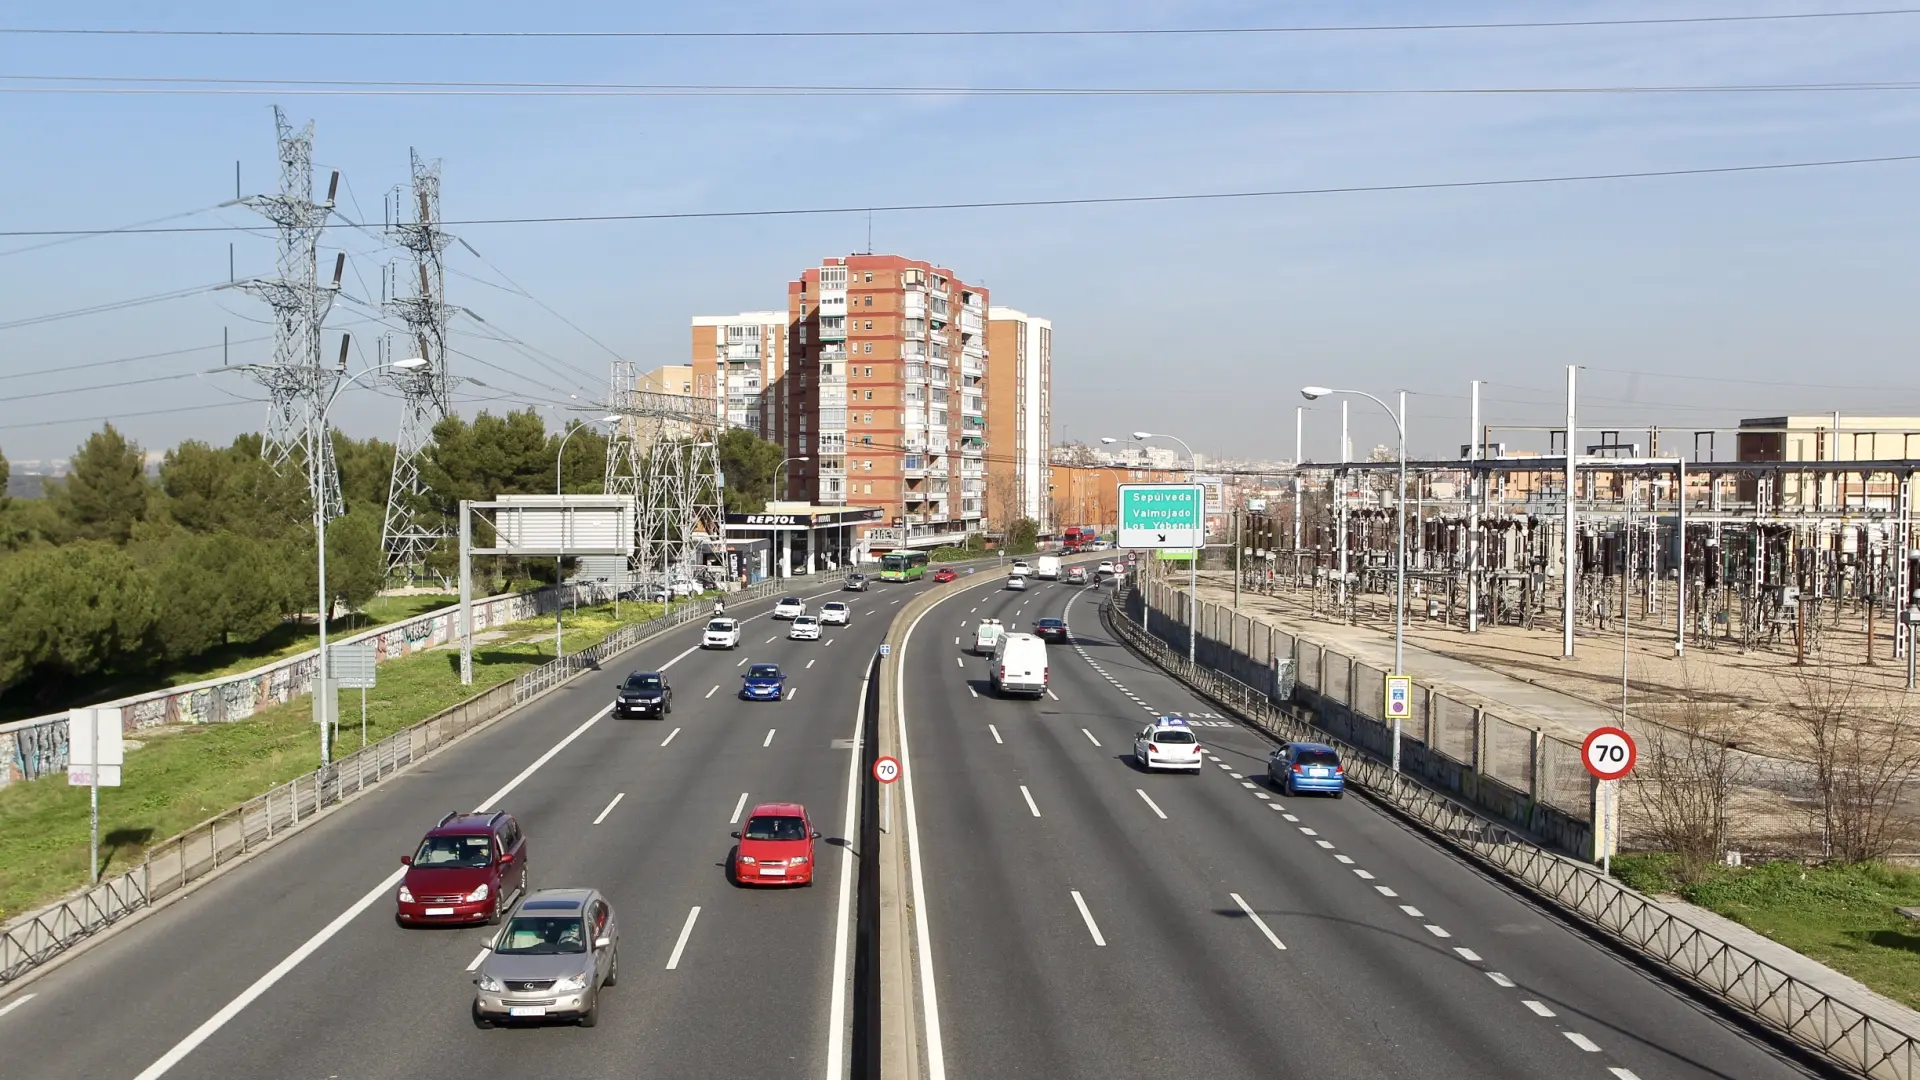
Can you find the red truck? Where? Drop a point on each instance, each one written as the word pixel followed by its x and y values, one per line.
pixel 1076 538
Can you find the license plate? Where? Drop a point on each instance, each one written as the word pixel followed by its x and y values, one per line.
pixel 527 1010
pixel 773 871
pixel 1319 773
pixel 439 911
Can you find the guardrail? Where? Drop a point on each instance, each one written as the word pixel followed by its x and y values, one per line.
pixel 1842 1033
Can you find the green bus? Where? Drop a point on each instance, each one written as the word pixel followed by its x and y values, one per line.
pixel 903 566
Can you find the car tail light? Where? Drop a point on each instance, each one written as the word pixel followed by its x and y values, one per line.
pixel 1339 770
pixel 1299 768
pixel 1153 748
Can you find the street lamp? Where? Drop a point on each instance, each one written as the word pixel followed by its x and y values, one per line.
pixel 1400 516
pixel 320 687
pixel 784 570
pixel 1193 564
pixel 559 629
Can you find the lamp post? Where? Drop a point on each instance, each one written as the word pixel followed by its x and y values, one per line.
pixel 559 488
pixel 1193 564
pixel 321 691
pixel 784 570
pixel 1400 518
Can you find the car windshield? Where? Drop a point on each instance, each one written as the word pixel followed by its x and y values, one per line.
pixel 455 852
pixel 834 605
pixel 805 620
pixel 764 671
pixel 644 682
pixel 542 936
pixel 791 601
pixel 1317 757
pixel 722 625
pixel 1174 738
pixel 768 827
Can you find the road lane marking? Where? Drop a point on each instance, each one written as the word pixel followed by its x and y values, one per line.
pixel 769 739
pixel 1363 875
pixel 1622 1074
pixel 843 925
pixel 1257 921
pixel 681 945
pixel 1053 695
pixel 713 691
pixel 1384 891
pixel 1500 980
pixel 1412 912
pixel 1466 953
pixel 1538 1009
pixel 737 807
pixel 959 663
pixel 923 938
pixel 1276 806
pixel 1089 736
pixel 24 998
pixel 823 645
pixel 792 690
pixel 1582 1042
pixel 1348 861
pixel 1151 805
pixel 996 735
pixel 610 806
pixel 1236 776
pixel 1087 915
pixel 810 662
pixel 474 965
pixel 740 662
pixel 1327 844
pixel 1262 795
pixel 1248 784
pixel 1290 817
pixel 670 736
pixel 972 691
pixel 1028 795
pixel 956 641
pixel 1438 931
pixel 1307 832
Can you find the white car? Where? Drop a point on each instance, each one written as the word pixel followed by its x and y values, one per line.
pixel 987 636
pixel 1017 583
pixel 1167 743
pixel 1106 567
pixel 1019 666
pixel 804 628
pixel 835 613
pixel 1020 568
pixel 721 634
pixel 791 607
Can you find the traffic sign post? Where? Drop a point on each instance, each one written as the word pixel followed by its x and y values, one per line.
pixel 1399 703
pixel 351 667
pixel 886 770
pixel 95 753
pixel 1162 516
pixel 1609 754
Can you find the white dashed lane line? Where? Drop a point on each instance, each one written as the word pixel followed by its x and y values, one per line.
pixel 680 946
pixel 737 809
pixel 769 739
pixel 713 691
pixel 1151 805
pixel 1258 921
pixel 1028 795
pixel 996 735
pixel 472 965
pixel 1467 954
pixel 1537 1008
pixel 1581 1041
pixel 609 809
pixel 1092 928
pixel 1500 980
pixel 1089 736
pixel 670 736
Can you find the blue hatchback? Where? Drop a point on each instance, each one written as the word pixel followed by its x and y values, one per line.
pixel 763 682
pixel 1307 767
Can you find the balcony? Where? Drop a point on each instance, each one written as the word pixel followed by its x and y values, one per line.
pixel 973 406
pixel 833 329
pixel 916 374
pixel 970 320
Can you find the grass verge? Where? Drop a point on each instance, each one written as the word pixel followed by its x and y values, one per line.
pixel 179 777
pixel 1842 916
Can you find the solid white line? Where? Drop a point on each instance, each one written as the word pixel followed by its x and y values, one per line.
pixel 713 691
pixel 681 945
pixel 1089 736
pixel 737 808
pixel 1582 1042
pixel 1258 921
pixel 996 735
pixel 1053 695
pixel 1151 805
pixel 22 1000
pixel 1028 795
pixel 769 739
pixel 1437 931
pixel 1412 912
pixel 838 987
pixel 1466 953
pixel 1538 1009
pixel 1500 980
pixel 478 960
pixel 670 736
pixel 1087 915
pixel 923 938
pixel 610 806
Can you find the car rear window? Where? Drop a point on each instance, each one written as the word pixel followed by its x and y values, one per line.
pixel 1175 738
pixel 1316 757
pixel 769 827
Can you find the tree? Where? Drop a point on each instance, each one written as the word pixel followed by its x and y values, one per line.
pixel 1862 756
pixel 1686 777
pixel 6 474
pixel 356 564
pixel 366 469
pixel 1023 536
pixel 71 611
pixel 749 463
pixel 106 488
pixel 215 588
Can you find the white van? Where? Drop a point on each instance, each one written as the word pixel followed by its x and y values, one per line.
pixel 986 636
pixel 1047 568
pixel 1020 666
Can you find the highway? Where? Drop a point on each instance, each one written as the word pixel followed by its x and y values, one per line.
pixel 1089 920
pixel 292 966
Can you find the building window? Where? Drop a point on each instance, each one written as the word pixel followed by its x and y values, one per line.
pixel 869 324
pixel 870 420
pixel 870 375
pixel 869 490
pixel 869 347
pixel 869 303
pixel 866 440
pixel 869 395
pixel 869 278
pixel 867 465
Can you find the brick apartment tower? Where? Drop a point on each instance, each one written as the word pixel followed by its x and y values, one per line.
pixel 886 395
pixel 741 361
pixel 1019 418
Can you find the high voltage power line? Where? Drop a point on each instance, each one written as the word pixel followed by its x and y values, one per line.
pixel 1109 200
pixel 1194 31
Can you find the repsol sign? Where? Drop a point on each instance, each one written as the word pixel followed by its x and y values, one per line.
pixel 771 519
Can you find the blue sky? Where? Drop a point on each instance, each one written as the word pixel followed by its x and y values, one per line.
pixel 1772 292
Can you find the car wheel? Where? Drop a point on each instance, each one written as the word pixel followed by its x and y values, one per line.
pixel 1288 788
pixel 1340 793
pixel 591 1017
pixel 493 916
pixel 613 969
pixel 480 1019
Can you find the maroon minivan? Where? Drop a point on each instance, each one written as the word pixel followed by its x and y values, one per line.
pixel 468 869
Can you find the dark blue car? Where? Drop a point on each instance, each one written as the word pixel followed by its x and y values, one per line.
pixel 763 682
pixel 1302 767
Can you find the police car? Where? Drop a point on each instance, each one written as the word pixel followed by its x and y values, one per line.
pixel 1167 743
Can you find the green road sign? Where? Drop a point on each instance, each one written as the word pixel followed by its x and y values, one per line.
pixel 1163 516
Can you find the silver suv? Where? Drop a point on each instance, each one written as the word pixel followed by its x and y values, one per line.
pixel 550 961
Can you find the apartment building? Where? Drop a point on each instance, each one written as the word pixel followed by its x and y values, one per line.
pixel 1827 437
pixel 886 396
pixel 741 360
pixel 1089 495
pixel 1019 417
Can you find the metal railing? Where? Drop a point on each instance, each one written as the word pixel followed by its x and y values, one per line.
pixel 1841 1032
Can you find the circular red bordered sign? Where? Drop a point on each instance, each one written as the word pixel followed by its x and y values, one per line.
pixel 1609 753
pixel 886 770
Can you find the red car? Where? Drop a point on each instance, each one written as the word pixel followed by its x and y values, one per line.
pixel 776 847
pixel 468 869
pixel 944 575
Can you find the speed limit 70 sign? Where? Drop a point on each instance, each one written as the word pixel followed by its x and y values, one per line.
pixel 886 770
pixel 1609 753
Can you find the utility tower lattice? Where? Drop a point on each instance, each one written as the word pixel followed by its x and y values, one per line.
pixel 407 537
pixel 297 383
pixel 665 456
